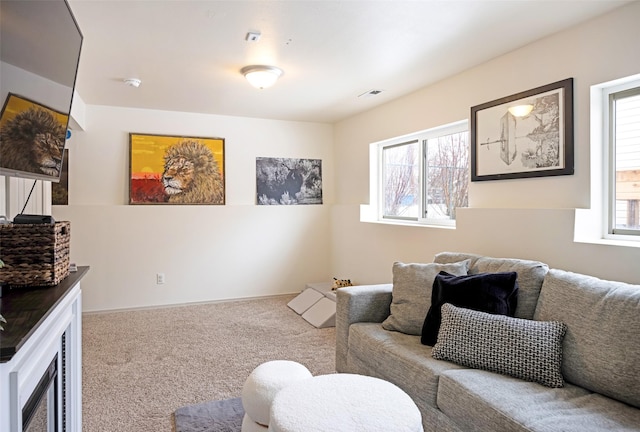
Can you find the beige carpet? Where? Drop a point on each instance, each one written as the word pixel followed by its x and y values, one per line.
pixel 140 366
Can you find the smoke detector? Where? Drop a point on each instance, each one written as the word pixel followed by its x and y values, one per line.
pixel 132 82
pixel 370 93
pixel 253 36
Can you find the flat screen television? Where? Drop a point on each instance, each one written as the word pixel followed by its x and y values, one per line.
pixel 40 44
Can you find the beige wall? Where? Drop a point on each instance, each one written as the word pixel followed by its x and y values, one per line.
pixel 527 218
pixel 206 252
pixel 243 250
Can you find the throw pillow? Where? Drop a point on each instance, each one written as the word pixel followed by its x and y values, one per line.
pixel 411 294
pixel 487 292
pixel 525 349
pixel 530 275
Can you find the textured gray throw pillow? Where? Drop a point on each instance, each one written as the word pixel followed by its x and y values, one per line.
pixel 411 295
pixel 525 349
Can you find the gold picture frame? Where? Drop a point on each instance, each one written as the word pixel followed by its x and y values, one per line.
pixel 178 170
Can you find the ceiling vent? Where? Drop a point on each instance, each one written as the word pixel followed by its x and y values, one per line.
pixel 370 93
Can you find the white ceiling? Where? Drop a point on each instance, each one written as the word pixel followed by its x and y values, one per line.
pixel 188 53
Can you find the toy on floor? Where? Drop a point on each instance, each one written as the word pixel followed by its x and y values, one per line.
pixel 339 283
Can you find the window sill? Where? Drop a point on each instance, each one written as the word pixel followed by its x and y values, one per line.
pixel 368 215
pixel 587 229
pixel 609 242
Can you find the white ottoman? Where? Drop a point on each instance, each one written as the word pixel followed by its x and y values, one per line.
pixel 262 385
pixel 345 403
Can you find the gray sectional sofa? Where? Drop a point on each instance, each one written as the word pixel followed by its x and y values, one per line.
pixel 599 347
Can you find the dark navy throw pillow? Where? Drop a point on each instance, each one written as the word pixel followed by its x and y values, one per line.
pixel 495 293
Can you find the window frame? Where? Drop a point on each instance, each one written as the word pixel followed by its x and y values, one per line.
pixel 378 174
pixel 610 95
pixel 382 177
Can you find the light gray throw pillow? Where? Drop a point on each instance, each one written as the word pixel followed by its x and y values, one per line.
pixel 525 349
pixel 411 294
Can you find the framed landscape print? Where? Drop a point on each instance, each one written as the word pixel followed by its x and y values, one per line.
pixel 529 134
pixel 166 169
pixel 282 181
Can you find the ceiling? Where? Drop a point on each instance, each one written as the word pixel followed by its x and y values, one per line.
pixel 188 53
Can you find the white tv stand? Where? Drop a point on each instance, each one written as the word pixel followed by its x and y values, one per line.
pixel 44 328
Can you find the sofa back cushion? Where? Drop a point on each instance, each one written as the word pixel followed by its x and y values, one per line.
pixel 601 350
pixel 530 276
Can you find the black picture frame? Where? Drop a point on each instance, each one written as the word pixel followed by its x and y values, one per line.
pixel 537 144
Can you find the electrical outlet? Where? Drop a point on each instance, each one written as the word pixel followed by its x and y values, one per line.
pixel 160 278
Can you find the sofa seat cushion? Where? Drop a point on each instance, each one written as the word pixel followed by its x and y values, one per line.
pixel 481 400
pixel 398 358
pixel 602 345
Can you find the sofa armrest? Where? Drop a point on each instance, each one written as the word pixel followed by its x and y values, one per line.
pixel 362 303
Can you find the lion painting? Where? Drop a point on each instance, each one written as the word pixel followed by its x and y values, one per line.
pixel 191 174
pixel 33 141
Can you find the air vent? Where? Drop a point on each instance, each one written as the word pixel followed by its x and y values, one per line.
pixel 370 93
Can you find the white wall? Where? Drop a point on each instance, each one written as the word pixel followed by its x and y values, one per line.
pixel 206 252
pixel 243 250
pixel 527 218
pixel 34 87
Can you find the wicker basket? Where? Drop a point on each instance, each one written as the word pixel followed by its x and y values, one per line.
pixel 34 254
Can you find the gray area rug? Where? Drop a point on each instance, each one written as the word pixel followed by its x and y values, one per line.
pixel 216 416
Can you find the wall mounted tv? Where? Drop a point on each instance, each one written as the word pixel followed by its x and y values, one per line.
pixel 40 45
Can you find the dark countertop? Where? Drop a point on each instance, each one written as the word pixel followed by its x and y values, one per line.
pixel 26 308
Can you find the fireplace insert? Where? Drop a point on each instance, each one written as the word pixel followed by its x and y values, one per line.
pixel 40 413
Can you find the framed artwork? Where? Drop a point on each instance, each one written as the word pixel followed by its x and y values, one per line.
pixel 166 169
pixel 529 134
pixel 281 181
pixel 32 139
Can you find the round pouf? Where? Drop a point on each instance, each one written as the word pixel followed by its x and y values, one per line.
pixel 345 403
pixel 264 382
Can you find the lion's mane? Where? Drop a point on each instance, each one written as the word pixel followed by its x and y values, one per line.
pixel 32 141
pixel 207 186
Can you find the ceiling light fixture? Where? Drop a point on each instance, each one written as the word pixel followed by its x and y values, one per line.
pixel 261 76
pixel 520 110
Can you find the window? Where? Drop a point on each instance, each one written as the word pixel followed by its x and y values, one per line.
pixel 623 113
pixel 423 177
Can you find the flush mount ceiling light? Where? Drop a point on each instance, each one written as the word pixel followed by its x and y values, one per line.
pixel 261 76
pixel 520 110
